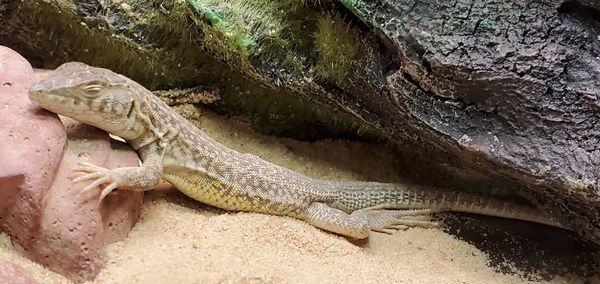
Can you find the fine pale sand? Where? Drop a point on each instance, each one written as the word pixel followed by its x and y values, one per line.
pixel 179 240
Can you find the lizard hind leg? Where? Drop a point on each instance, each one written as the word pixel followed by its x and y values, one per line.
pixel 359 223
pixel 387 220
pixel 334 220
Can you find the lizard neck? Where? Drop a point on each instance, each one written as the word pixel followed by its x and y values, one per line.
pixel 153 122
pixel 135 132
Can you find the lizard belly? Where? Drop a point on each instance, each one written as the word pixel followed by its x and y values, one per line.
pixel 220 192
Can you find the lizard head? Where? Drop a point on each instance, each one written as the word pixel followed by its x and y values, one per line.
pixel 94 96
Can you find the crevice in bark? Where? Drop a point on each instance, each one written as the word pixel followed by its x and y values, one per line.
pixel 578 9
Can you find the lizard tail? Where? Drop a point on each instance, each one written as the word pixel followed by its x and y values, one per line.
pixel 351 196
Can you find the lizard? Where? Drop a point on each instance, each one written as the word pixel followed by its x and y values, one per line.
pixel 172 148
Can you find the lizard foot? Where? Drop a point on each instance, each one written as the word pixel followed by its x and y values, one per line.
pixel 388 221
pixel 100 175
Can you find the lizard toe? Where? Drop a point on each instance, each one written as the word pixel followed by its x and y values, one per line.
pixel 89 176
pixel 108 189
pixel 96 184
pixel 88 167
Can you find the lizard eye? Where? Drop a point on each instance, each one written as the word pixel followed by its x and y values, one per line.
pixel 91 90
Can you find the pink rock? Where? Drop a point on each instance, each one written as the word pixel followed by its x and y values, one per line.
pixel 11 178
pixel 11 273
pixel 32 146
pixel 75 227
pixel 46 215
pixel 121 209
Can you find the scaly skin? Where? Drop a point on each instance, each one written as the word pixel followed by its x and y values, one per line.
pixel 174 149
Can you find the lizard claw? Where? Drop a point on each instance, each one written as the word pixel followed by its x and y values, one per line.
pixel 100 175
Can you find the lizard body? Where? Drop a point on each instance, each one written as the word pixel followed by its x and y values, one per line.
pixel 172 148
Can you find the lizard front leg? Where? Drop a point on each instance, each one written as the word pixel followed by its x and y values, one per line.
pixel 129 178
pixel 359 223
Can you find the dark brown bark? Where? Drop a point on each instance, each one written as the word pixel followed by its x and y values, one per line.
pixel 509 89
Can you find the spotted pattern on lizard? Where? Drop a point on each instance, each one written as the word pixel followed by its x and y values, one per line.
pixel 172 148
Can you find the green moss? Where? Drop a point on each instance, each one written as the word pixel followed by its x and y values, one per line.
pixel 336 44
pixel 243 26
pixel 453 23
pixel 487 23
pixel 324 2
pixel 169 44
pixel 351 2
pixel 126 44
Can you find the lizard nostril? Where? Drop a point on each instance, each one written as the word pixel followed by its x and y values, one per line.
pixel 36 88
pixel 35 92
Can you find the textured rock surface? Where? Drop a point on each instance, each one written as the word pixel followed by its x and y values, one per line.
pixel 42 210
pixel 75 227
pixel 32 146
pixel 11 273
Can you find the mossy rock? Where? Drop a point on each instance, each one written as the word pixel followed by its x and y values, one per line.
pixel 179 44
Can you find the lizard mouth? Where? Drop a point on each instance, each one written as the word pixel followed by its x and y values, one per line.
pixel 41 99
pixel 54 103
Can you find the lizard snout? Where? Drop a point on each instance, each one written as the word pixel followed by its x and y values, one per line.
pixel 36 88
pixel 35 91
